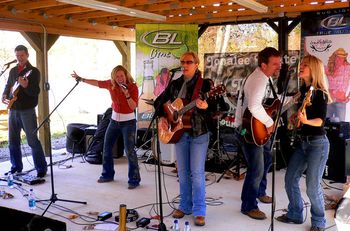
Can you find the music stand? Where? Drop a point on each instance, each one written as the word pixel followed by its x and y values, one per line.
pixel 54 197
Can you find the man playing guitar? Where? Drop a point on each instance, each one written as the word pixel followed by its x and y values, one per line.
pixel 259 158
pixel 22 102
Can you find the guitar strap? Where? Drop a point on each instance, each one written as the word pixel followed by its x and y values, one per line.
pixel 273 89
pixel 197 88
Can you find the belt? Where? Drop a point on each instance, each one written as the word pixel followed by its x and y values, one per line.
pixel 312 138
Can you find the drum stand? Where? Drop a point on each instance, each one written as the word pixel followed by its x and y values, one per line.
pixel 235 162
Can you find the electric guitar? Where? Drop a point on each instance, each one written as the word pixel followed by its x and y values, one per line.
pixel 16 88
pixel 178 116
pixel 306 103
pixel 256 132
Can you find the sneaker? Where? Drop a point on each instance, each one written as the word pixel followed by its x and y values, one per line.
pixel 13 172
pixel 178 214
pixel 314 228
pixel 131 186
pixel 285 219
pixel 199 220
pixel 255 214
pixel 103 180
pixel 265 199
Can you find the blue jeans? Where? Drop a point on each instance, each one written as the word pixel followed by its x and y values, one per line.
pixel 26 120
pixel 311 156
pixel 259 161
pixel 191 154
pixel 127 129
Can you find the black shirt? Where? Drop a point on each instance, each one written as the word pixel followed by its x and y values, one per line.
pixel 317 109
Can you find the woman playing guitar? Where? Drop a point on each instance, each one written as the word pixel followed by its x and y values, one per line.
pixel 312 150
pixel 192 144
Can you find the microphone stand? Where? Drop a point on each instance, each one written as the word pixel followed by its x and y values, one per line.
pixel 273 137
pixel 4 69
pixel 161 226
pixel 54 197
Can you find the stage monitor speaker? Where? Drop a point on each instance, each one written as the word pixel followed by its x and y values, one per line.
pixel 75 142
pixel 338 163
pixel 23 221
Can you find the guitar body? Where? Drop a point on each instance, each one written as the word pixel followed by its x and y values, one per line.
pixel 177 117
pixel 174 122
pixel 256 131
pixel 14 97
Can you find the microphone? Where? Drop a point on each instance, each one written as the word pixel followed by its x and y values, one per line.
pixel 123 85
pixel 176 69
pixel 13 61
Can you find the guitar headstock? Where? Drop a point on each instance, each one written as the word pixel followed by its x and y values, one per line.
pixel 216 91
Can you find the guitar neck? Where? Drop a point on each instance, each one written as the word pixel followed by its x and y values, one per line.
pixel 189 106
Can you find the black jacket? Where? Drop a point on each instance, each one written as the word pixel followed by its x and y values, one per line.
pixel 27 97
pixel 200 119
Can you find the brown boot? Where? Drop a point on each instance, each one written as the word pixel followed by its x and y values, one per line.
pixel 178 214
pixel 199 220
pixel 265 199
pixel 255 214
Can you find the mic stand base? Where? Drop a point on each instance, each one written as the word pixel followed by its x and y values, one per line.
pixel 161 227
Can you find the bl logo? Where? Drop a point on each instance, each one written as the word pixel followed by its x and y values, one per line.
pixel 335 22
pixel 166 39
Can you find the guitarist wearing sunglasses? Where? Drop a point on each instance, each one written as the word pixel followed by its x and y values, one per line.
pixel 21 95
pixel 192 142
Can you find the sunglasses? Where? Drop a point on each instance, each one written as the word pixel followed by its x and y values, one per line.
pixel 187 62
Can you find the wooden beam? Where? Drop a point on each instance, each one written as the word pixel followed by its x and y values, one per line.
pixel 125 50
pixel 30 23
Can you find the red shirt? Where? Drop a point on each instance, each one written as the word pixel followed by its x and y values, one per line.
pixel 119 102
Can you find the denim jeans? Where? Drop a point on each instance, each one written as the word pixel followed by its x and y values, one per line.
pixel 191 154
pixel 127 129
pixel 26 120
pixel 259 161
pixel 310 155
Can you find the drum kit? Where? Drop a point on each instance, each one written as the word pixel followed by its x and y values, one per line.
pixel 218 150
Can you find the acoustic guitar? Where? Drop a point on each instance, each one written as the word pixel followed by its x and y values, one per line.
pixel 16 88
pixel 178 117
pixel 256 132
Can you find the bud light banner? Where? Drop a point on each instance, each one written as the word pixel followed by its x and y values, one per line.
pixel 158 50
pixel 324 34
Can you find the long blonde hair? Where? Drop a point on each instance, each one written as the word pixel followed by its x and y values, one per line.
pixel 129 78
pixel 318 76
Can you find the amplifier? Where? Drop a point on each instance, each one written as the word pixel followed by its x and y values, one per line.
pixel 338 129
pixel 89 135
pixel 338 163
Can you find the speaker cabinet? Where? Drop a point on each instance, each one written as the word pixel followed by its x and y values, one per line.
pixel 20 220
pixel 338 163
